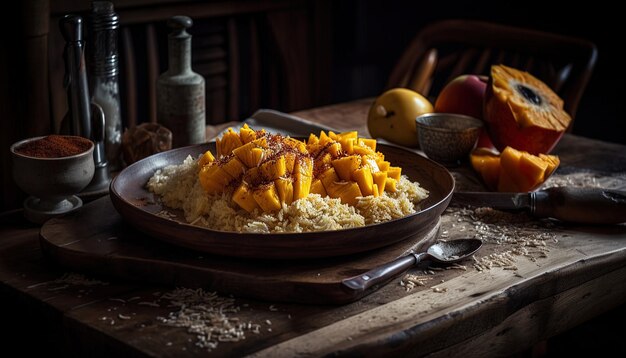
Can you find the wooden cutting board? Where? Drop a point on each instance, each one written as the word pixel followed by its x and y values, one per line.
pixel 96 239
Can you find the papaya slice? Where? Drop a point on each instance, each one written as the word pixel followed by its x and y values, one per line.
pixel 512 170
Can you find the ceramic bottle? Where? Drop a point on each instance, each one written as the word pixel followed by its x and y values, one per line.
pixel 180 91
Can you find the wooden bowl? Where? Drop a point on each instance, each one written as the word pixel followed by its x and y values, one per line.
pixel 139 207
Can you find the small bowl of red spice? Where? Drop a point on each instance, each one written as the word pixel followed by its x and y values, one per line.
pixel 51 170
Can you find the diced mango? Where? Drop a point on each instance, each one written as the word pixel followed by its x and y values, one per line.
pixel 380 179
pixel 368 143
pixel 375 191
pixel 363 177
pixel 244 198
pixel 348 192
pixel 313 139
pixel 328 178
pixel 350 168
pixel 350 134
pixel 253 177
pixel 267 198
pixel 347 145
pixel 344 167
pixel 324 140
pixel 337 188
pixel 213 178
pixel 390 185
pixel 260 142
pixel 249 154
pixel 234 168
pixel 274 169
pixel 304 166
pixel 370 162
pixel 383 165
pixel 246 134
pixel 206 158
pixel 324 160
pixel 334 149
pixel 290 159
pixel 298 145
pixel 229 141
pixel 303 176
pixel 362 149
pixel 318 188
pixel 284 187
pixel 394 172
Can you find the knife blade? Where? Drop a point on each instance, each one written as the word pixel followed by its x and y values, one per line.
pixel 578 205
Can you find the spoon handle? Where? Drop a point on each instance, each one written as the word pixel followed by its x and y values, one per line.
pixel 382 273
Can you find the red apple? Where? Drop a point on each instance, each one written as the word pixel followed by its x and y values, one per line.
pixel 522 112
pixel 463 95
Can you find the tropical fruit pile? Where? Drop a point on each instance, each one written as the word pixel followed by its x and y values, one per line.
pixel 264 171
pixel 524 119
pixel 513 170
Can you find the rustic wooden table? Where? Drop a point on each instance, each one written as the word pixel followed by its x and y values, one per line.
pixel 546 277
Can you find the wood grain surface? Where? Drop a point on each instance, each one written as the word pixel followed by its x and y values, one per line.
pixel 494 312
pixel 85 242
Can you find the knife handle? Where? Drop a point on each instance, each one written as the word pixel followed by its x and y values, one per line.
pixel 382 273
pixel 580 205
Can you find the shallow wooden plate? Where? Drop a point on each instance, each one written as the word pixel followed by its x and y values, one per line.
pixel 84 242
pixel 140 208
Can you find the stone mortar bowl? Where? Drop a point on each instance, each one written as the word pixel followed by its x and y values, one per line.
pixel 51 182
pixel 447 138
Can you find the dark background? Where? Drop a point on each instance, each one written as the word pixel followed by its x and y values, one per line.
pixel 370 36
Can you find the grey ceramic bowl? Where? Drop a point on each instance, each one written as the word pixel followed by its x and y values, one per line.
pixel 51 182
pixel 446 137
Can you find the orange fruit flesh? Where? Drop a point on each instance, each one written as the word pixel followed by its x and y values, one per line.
pixel 512 170
pixel 532 102
pixel 265 171
pixel 522 112
pixel 487 163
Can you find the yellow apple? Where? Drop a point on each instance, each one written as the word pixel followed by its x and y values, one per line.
pixel 392 116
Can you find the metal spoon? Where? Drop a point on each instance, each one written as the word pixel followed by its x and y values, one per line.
pixel 443 252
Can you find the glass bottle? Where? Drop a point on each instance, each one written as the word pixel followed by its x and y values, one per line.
pixel 180 91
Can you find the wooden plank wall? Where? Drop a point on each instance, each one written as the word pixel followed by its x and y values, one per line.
pixel 253 54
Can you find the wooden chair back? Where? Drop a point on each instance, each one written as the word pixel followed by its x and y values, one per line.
pixel 444 50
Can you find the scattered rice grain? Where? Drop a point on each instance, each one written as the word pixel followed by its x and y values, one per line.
pixel 208 316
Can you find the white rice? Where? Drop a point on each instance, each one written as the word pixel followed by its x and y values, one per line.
pixel 179 188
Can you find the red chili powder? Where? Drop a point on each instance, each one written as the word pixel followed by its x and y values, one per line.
pixel 54 146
